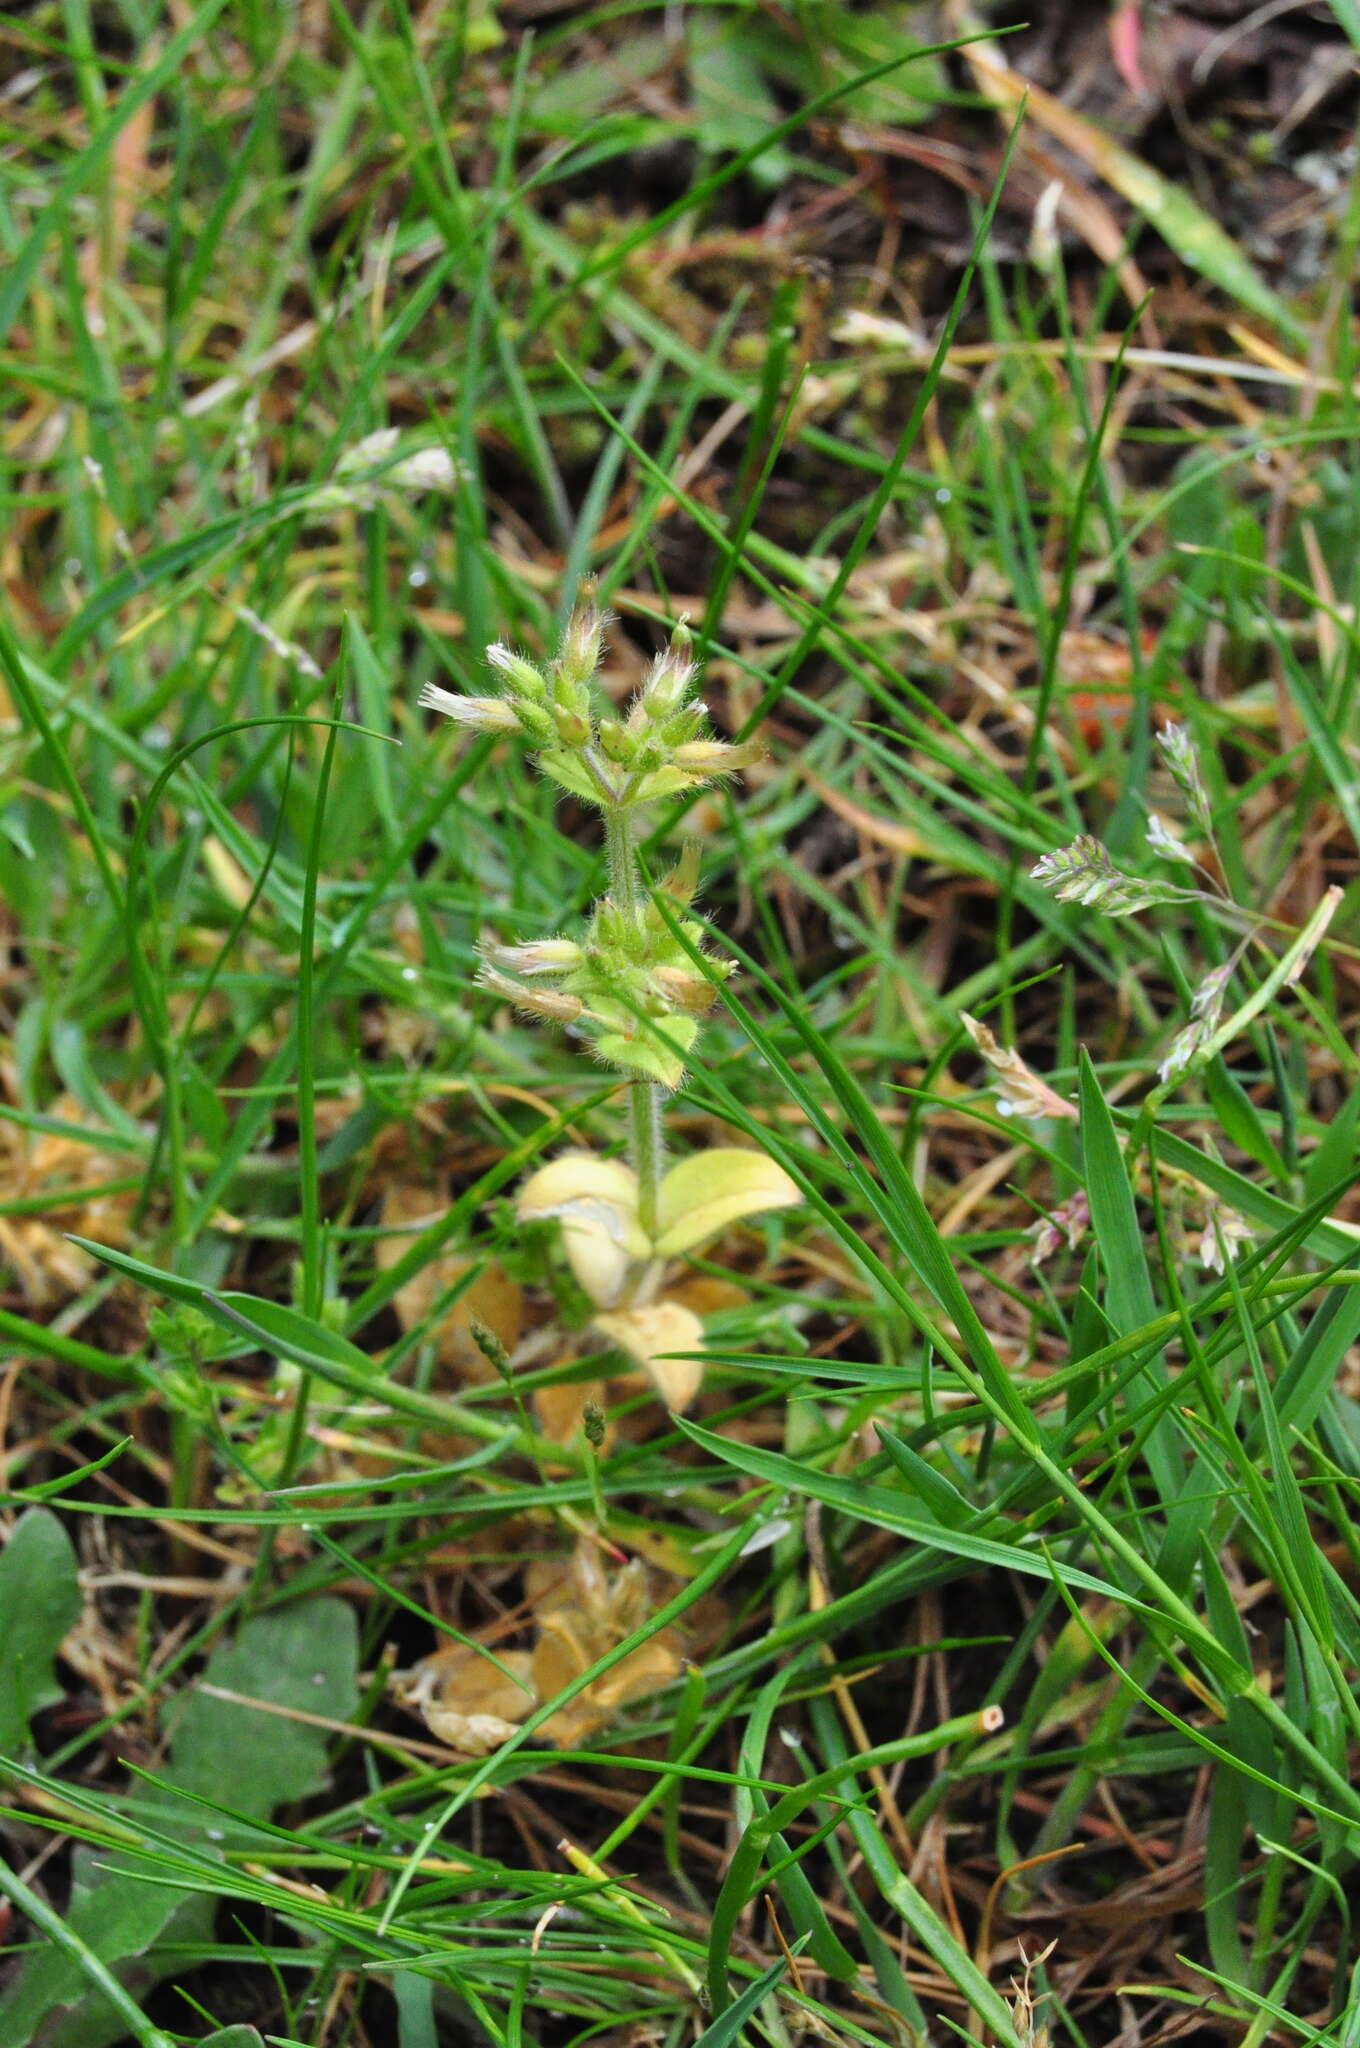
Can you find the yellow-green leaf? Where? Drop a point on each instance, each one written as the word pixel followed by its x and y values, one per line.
pixel 595 1200
pixel 709 1190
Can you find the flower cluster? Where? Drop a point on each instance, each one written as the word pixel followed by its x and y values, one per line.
pixel 631 980
pixel 659 750
pixel 635 981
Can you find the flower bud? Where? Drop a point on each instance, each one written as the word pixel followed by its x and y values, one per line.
pixel 683 879
pixel 682 988
pixel 573 727
pixel 480 714
pixel 616 742
pixel 541 1001
pixel 535 723
pixel 540 956
pixel 521 675
pixel 671 677
pixel 583 642
pixel 702 758
pixel 683 726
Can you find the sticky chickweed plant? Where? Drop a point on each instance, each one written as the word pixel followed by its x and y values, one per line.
pixel 634 982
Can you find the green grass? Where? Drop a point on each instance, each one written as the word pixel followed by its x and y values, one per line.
pixel 1003 1612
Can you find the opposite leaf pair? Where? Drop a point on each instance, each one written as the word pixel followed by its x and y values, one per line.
pixel 617 1261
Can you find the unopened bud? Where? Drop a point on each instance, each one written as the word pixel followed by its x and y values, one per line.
pixel 683 879
pixel 671 677
pixel 616 742
pixel 583 641
pixel 535 723
pixel 685 990
pixel 703 758
pixel 521 675
pixel 480 714
pixel 1044 245
pixel 541 1002
pixel 573 727
pixel 540 957
pixel 682 726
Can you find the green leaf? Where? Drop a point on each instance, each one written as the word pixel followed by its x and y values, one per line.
pixel 304 1659
pixel 292 1335
pixel 253 1760
pixel 721 2032
pixel 1335 1155
pixel 39 1605
pixel 886 1510
pixel 117 1919
pixel 1130 1301
pixel 1241 1120
pixel 172 1284
pixel 939 1494
pixel 733 104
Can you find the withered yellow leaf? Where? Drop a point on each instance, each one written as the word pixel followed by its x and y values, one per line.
pixel 465 1699
pixel 648 1334
pixel 490 1296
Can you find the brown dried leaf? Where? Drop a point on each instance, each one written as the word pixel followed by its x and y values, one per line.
pixel 584 1612
pixel 48 1269
pixel 491 1297
pixel 465 1700
pixel 584 1608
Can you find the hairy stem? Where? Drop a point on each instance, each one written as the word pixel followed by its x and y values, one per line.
pixel 648 1148
pixel 647 1137
pixel 625 884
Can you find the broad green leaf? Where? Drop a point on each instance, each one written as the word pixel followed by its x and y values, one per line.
pixel 251 1761
pixel 118 1918
pixel 733 104
pixel 39 1605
